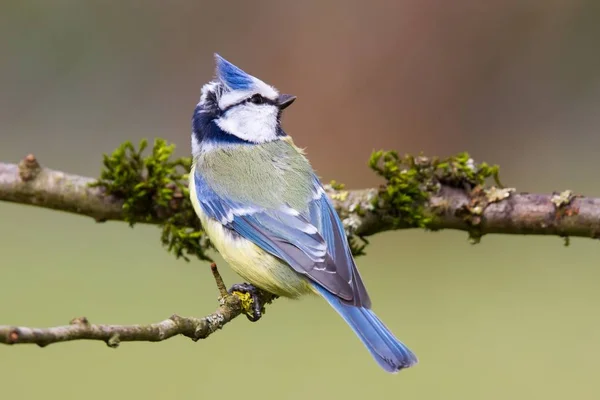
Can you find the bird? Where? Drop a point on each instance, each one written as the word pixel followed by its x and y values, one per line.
pixel 266 212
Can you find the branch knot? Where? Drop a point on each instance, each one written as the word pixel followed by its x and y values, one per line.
pixel 29 168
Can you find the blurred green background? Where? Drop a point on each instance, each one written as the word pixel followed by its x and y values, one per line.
pixel 513 82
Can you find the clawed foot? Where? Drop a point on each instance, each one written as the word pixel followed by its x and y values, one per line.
pixel 251 301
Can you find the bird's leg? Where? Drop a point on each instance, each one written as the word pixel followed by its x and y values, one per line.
pixel 251 300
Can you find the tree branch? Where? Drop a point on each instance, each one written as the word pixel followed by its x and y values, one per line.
pixel 29 183
pixel 451 204
pixel 112 335
pixel 478 212
pixel 80 328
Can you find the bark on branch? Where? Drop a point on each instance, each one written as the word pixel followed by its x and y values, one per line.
pixel 478 211
pixel 81 329
pixel 488 211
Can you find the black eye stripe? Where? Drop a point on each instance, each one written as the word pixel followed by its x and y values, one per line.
pixel 258 99
pixel 254 99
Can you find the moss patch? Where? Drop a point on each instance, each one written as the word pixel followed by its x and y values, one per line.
pixel 154 189
pixel 410 182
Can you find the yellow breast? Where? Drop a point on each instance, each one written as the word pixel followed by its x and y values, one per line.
pixel 253 264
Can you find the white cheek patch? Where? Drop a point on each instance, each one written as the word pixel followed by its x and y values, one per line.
pixel 251 122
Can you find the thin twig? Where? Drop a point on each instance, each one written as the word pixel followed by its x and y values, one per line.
pixel 219 280
pixel 80 328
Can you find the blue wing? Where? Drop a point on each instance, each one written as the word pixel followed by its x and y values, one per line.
pixel 311 241
pixel 323 216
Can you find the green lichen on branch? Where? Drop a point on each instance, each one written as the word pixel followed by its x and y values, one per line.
pixel 154 188
pixel 462 172
pixel 410 182
pixel 408 186
pixel 349 218
pixel 460 169
pixel 562 202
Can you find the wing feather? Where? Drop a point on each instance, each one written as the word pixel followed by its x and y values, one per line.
pixel 294 221
pixel 284 233
pixel 322 214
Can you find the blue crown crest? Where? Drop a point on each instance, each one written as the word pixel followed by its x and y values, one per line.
pixel 233 77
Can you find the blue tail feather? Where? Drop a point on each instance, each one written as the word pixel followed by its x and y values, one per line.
pixel 391 354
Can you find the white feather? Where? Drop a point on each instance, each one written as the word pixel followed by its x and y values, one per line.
pixel 251 122
pixel 311 230
pixel 318 193
pixel 196 146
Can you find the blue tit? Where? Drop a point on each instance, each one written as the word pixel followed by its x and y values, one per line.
pixel 266 212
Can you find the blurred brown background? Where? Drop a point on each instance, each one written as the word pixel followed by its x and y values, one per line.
pixel 513 82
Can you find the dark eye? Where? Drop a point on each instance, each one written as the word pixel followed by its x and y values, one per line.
pixel 257 99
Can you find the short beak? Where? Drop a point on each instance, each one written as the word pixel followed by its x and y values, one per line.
pixel 285 100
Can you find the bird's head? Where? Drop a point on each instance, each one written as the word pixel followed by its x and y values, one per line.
pixel 237 107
